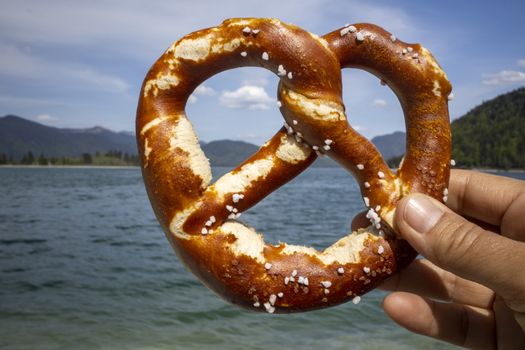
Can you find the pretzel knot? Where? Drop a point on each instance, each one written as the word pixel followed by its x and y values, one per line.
pixel 200 219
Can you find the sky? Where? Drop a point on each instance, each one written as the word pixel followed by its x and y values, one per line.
pixel 77 64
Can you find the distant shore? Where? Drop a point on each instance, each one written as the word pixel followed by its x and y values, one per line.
pixel 490 170
pixel 486 170
pixel 69 166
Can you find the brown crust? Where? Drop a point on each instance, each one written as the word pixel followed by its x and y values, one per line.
pixel 197 217
pixel 243 281
pixel 422 89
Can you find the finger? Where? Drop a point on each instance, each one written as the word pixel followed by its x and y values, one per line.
pixel 426 279
pixel 488 198
pixel 454 323
pixel 360 221
pixel 459 246
pixel 512 224
pixel 510 334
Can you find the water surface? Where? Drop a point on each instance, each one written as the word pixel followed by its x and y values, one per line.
pixel 85 265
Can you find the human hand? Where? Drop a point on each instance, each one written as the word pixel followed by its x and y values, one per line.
pixel 471 290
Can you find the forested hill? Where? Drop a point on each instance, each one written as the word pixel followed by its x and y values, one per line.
pixel 18 136
pixel 492 135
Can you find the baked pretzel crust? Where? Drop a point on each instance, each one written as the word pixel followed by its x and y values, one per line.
pixel 200 220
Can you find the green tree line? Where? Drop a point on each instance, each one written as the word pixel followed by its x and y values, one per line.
pixel 492 135
pixel 113 157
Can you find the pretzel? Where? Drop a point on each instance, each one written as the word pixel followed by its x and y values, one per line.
pixel 200 219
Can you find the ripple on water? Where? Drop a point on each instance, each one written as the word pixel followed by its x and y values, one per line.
pixel 22 241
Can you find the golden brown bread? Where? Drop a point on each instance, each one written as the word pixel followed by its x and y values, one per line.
pixel 199 219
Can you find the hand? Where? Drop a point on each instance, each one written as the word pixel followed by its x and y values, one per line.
pixel 471 290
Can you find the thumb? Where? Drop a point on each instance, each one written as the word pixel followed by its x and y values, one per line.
pixel 463 248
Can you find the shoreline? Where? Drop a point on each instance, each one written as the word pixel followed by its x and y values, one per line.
pixel 491 170
pixel 34 166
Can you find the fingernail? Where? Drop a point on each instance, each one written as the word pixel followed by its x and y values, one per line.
pixel 421 213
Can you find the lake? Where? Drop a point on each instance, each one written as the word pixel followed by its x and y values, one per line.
pixel 85 265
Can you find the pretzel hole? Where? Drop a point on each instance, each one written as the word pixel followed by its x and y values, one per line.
pixel 238 105
pixel 315 212
pixel 374 111
pixel 315 209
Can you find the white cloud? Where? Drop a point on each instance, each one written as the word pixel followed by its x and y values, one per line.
pixel 378 102
pixel 192 99
pixel 521 63
pixel 96 47
pixel 66 25
pixel 258 78
pixel 504 77
pixel 45 118
pixel 96 79
pixel 22 64
pixel 204 90
pixel 247 97
pixel 73 26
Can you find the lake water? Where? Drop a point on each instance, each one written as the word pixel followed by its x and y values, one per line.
pixel 84 265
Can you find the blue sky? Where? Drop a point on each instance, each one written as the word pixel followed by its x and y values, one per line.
pixel 81 63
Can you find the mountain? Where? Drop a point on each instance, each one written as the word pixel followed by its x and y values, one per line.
pixel 391 145
pixel 227 152
pixel 492 135
pixel 19 135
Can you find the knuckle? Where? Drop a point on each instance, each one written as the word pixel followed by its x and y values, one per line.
pixel 451 283
pixel 454 241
